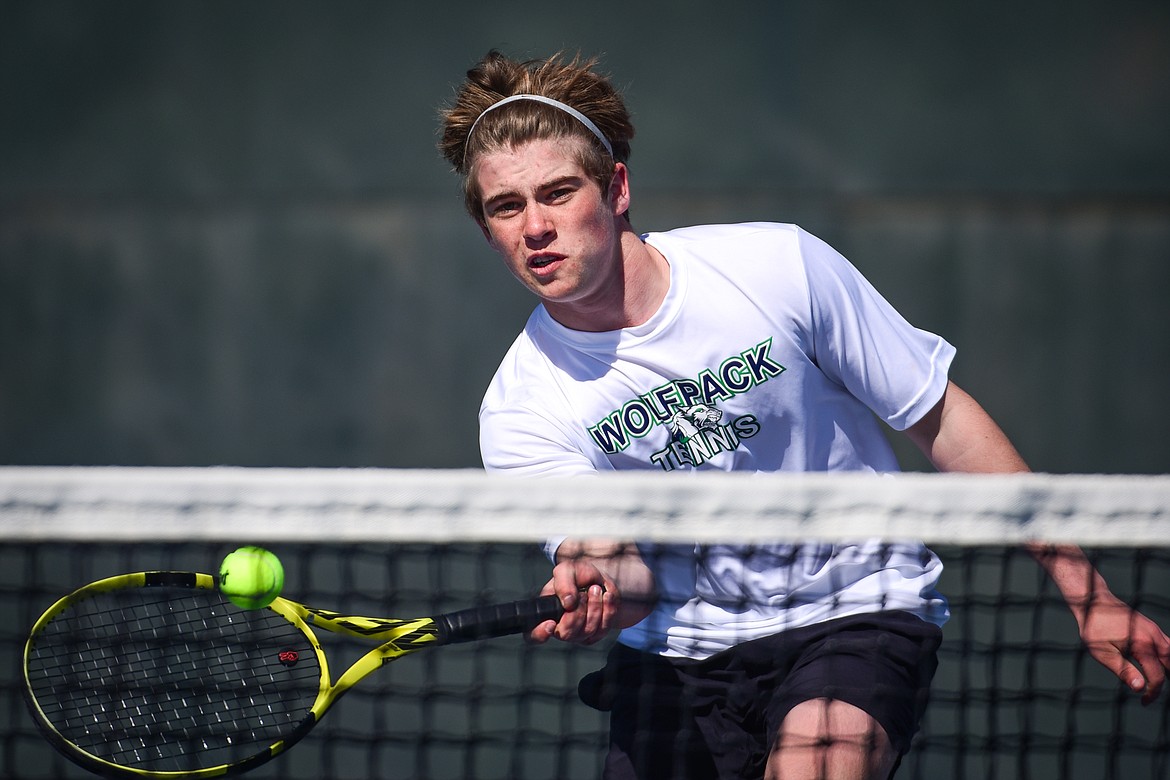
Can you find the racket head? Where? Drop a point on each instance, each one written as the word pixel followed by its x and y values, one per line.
pixel 156 674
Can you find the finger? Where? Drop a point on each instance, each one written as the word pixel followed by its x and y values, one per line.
pixel 565 585
pixel 609 606
pixel 1155 675
pixel 541 633
pixel 595 617
pixel 1110 656
pixel 1131 676
pixel 1152 664
pixel 1149 651
pixel 585 624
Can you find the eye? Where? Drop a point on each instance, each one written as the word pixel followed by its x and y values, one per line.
pixel 560 193
pixel 503 208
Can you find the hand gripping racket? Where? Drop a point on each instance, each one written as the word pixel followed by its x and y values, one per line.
pixel 157 675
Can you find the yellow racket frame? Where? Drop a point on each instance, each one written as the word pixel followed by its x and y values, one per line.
pixel 397 637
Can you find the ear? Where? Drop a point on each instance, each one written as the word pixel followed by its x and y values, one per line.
pixel 619 189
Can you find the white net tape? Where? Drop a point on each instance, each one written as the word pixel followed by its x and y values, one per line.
pixel 260 505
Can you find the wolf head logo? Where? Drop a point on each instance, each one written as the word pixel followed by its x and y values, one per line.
pixel 685 423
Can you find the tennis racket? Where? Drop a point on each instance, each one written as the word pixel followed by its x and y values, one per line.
pixel 158 675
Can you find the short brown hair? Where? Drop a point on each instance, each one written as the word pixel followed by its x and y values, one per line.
pixel 572 82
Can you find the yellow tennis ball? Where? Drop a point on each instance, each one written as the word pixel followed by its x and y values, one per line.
pixel 251 577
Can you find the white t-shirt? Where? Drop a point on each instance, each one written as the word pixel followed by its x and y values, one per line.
pixel 770 353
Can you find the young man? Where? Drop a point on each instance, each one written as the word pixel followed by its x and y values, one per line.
pixel 749 347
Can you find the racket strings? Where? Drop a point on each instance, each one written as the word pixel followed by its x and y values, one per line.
pixel 173 680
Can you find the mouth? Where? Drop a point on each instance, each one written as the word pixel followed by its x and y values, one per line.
pixel 543 260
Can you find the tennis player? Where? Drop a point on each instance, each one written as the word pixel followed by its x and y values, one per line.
pixel 747 347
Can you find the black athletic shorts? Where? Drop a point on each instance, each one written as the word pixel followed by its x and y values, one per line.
pixel 679 719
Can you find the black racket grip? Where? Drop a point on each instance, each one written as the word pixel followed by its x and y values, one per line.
pixel 467 625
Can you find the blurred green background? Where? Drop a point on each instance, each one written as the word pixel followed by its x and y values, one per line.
pixel 226 237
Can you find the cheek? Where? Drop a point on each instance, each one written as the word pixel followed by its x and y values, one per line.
pixel 499 239
pixel 517 266
pixel 604 231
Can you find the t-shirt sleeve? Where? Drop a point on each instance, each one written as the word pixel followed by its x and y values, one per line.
pixel 518 441
pixel 522 442
pixel 861 342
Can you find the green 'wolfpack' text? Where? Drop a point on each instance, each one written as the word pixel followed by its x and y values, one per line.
pixel 638 416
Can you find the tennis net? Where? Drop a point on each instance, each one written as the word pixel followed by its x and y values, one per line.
pixel 1015 696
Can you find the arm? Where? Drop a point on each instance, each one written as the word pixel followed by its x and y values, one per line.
pixel 603 585
pixel 958 435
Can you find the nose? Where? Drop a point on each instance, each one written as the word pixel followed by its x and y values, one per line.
pixel 537 226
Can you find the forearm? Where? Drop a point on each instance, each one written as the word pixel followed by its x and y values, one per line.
pixel 1074 575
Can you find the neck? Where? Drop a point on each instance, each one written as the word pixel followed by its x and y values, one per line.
pixel 647 279
pixel 639 286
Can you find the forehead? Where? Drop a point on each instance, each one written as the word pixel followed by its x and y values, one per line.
pixel 527 166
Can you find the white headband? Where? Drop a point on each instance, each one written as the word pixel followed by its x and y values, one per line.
pixel 549 102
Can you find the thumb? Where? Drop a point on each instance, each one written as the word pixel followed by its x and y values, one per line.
pixel 1129 674
pixel 1110 656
